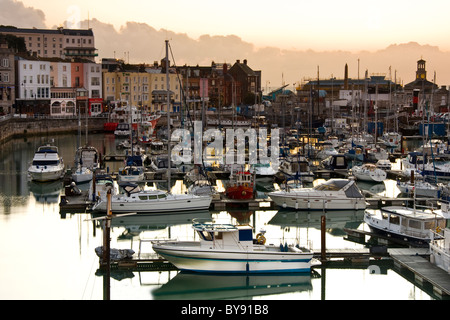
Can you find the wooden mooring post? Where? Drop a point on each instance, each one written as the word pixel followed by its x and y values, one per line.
pixel 323 250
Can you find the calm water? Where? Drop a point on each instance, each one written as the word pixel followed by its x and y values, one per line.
pixel 49 255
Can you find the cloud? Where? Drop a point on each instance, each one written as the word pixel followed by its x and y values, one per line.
pixel 146 44
pixel 140 42
pixel 14 13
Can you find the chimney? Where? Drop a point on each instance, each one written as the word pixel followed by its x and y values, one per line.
pixel 346 77
pixel 245 61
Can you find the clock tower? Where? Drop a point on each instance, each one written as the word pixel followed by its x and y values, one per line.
pixel 421 73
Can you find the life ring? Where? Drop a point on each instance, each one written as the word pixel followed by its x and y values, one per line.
pixel 244 193
pixel 438 229
pixel 260 238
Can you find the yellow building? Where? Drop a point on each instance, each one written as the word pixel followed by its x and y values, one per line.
pixel 144 89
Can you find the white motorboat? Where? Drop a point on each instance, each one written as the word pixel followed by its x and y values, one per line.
pixel 296 167
pixel 409 224
pixel 420 188
pixel 369 172
pixel 47 165
pixel 334 194
pixel 87 161
pixel 123 130
pixel 226 248
pixel 150 201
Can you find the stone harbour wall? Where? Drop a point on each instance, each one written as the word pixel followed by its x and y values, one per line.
pixel 19 127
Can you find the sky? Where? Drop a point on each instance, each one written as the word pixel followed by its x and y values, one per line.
pixel 354 30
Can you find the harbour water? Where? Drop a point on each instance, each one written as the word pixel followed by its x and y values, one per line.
pixel 46 254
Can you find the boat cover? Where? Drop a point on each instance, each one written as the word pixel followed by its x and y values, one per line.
pixel 116 254
pixel 353 192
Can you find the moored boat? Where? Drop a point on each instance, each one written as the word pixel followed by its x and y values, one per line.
pixel 409 224
pixel 440 250
pixel 334 194
pixel 47 164
pixel 241 185
pixel 150 201
pixel 227 248
pixel 369 172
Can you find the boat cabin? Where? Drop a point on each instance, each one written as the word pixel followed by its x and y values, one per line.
pixel 224 236
pixel 409 222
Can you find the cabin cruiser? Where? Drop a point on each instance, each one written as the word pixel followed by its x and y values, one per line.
pixel 296 167
pixel 369 172
pixel 150 201
pixel 419 188
pixel 228 248
pixel 47 165
pixel 334 194
pixel 409 224
pixel 123 130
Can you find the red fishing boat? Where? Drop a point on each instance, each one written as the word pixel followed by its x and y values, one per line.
pixel 241 185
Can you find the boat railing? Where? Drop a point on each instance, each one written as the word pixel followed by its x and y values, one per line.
pixel 150 241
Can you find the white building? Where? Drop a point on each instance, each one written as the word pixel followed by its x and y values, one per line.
pixel 32 86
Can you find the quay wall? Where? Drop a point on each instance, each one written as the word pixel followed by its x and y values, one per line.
pixel 23 127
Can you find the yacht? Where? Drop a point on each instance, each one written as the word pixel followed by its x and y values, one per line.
pixel 228 248
pixel 151 201
pixel 47 165
pixel 334 194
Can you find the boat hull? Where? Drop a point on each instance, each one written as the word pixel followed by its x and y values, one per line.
pixel 240 192
pixel 222 261
pixel 318 203
pixel 152 206
pixel 43 175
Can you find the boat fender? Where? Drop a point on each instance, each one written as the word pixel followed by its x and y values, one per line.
pixel 284 205
pixel 260 238
pixel 296 205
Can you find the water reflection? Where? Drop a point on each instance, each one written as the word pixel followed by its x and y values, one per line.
pixel 212 287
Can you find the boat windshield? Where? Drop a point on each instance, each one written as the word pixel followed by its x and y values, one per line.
pixel 330 186
pixel 45 162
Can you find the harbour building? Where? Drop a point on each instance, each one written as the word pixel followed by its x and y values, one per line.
pixel 56 43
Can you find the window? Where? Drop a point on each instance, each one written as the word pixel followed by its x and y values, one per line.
pixel 415 224
pixel 95 81
pixel 394 219
pixel 5 63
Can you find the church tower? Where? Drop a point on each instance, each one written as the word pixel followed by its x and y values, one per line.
pixel 421 73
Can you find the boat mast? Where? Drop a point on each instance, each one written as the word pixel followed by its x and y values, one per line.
pixel 168 116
